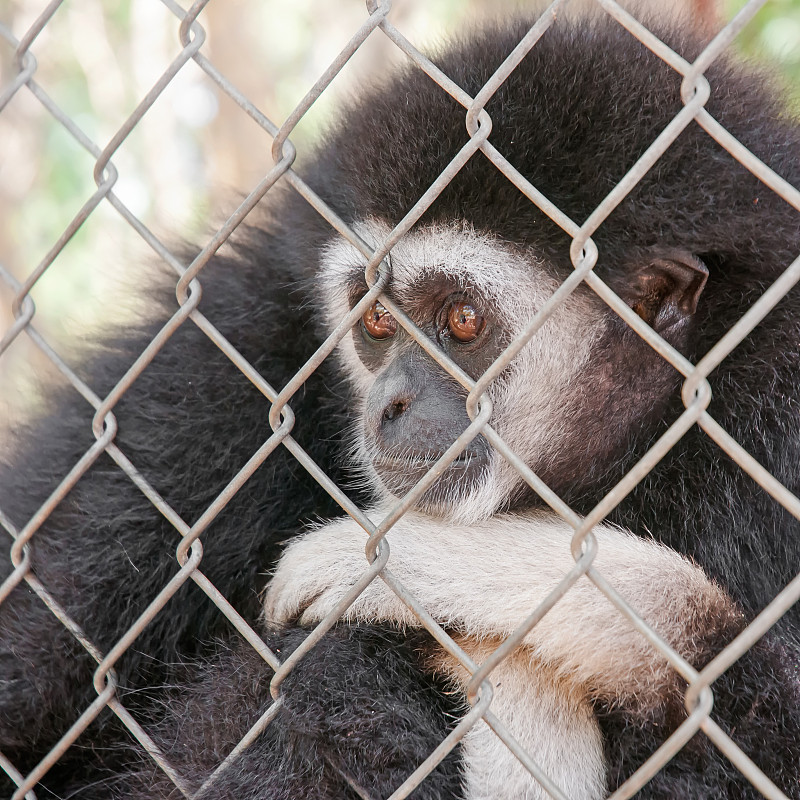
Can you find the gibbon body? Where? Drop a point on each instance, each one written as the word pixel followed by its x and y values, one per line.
pixel 696 546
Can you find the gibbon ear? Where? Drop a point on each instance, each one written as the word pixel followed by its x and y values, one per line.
pixel 665 289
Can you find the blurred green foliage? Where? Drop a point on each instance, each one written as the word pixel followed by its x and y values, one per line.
pixel 773 38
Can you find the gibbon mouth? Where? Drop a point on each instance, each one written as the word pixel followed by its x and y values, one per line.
pixel 401 473
pixel 424 461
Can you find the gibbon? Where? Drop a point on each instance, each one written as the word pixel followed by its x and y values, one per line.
pixel 696 547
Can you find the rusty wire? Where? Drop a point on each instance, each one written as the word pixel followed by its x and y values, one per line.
pixel 696 391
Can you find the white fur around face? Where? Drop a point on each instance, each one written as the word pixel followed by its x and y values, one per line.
pixel 529 398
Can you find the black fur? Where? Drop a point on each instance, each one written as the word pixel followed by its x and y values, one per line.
pixel 105 551
pixel 573 118
pixel 340 725
pixel 756 702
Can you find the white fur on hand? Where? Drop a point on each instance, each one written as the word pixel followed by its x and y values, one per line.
pixel 482 580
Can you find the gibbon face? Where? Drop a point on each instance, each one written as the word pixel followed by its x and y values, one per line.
pixel 472 294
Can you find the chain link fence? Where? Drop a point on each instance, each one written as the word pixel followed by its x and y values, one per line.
pixel 377 21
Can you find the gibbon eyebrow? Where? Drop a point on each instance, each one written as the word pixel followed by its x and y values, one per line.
pixel 506 284
pixel 433 283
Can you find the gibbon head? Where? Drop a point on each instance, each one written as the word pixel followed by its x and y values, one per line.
pixel 566 404
pixel 586 396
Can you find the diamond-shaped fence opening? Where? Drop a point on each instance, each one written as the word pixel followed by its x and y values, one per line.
pixel 183 69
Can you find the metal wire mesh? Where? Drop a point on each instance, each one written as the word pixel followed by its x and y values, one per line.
pixel 189 553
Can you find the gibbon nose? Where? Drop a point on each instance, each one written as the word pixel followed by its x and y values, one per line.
pixel 392 396
pixel 395 409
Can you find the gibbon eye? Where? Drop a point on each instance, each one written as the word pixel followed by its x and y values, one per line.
pixel 464 323
pixel 378 322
